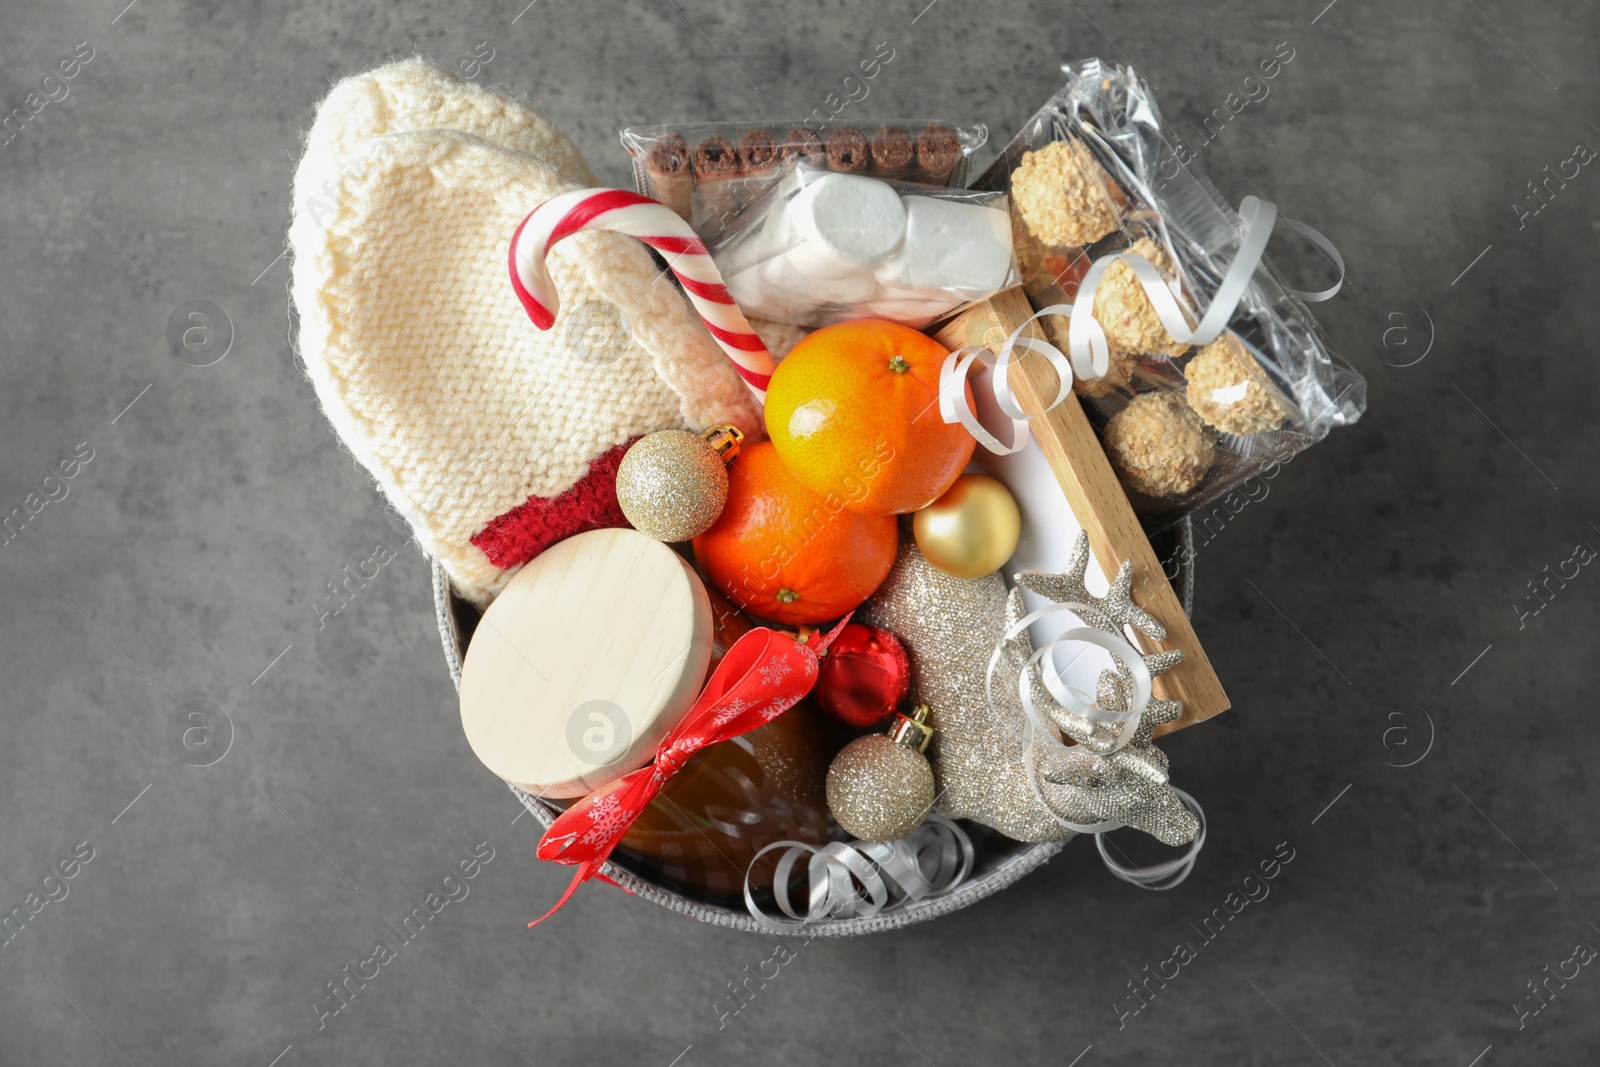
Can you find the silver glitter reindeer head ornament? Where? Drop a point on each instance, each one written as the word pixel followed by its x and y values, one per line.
pixel 1002 764
pixel 1113 773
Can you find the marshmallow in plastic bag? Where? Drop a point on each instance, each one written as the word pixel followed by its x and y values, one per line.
pixel 825 247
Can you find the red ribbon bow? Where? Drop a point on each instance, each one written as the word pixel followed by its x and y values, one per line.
pixel 763 675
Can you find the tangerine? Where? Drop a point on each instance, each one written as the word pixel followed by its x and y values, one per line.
pixel 853 410
pixel 786 553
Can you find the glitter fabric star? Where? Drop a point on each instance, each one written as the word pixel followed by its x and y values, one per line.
pixel 949 626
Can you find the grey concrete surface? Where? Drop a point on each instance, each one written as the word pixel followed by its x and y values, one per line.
pixel 1378 589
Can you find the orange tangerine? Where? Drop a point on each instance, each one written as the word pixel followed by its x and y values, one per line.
pixel 853 411
pixel 785 553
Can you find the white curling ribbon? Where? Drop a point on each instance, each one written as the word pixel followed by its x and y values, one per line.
pixel 862 879
pixel 953 373
pixel 1118 647
pixel 953 406
pixel 1317 296
pixel 1090 353
pixel 1169 874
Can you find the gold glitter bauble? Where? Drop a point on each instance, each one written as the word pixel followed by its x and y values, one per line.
pixel 970 531
pixel 672 485
pixel 879 789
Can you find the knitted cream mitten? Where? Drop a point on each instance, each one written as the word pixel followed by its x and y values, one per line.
pixel 492 438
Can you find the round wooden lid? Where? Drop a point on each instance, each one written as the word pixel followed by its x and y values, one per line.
pixel 592 652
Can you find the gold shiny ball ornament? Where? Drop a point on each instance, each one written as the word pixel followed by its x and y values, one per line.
pixel 673 484
pixel 970 531
pixel 880 787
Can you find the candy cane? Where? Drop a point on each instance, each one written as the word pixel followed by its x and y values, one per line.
pixel 663 230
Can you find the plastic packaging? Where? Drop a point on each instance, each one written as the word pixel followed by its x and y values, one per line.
pixel 711 172
pixel 1091 175
pixel 823 247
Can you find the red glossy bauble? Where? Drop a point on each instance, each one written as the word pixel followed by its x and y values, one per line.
pixel 864 676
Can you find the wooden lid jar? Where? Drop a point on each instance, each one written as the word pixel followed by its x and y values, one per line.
pixel 590 655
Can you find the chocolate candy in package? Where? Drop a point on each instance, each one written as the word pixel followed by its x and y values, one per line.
pixel 709 173
pixel 1188 406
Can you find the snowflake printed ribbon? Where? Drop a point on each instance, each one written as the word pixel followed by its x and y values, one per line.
pixel 763 675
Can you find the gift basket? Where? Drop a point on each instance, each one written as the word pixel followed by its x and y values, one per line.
pixel 745 596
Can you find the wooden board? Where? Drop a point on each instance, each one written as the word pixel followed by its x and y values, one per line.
pixel 582 664
pixel 1073 449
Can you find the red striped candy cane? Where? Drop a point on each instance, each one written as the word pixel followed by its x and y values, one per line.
pixel 663 230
